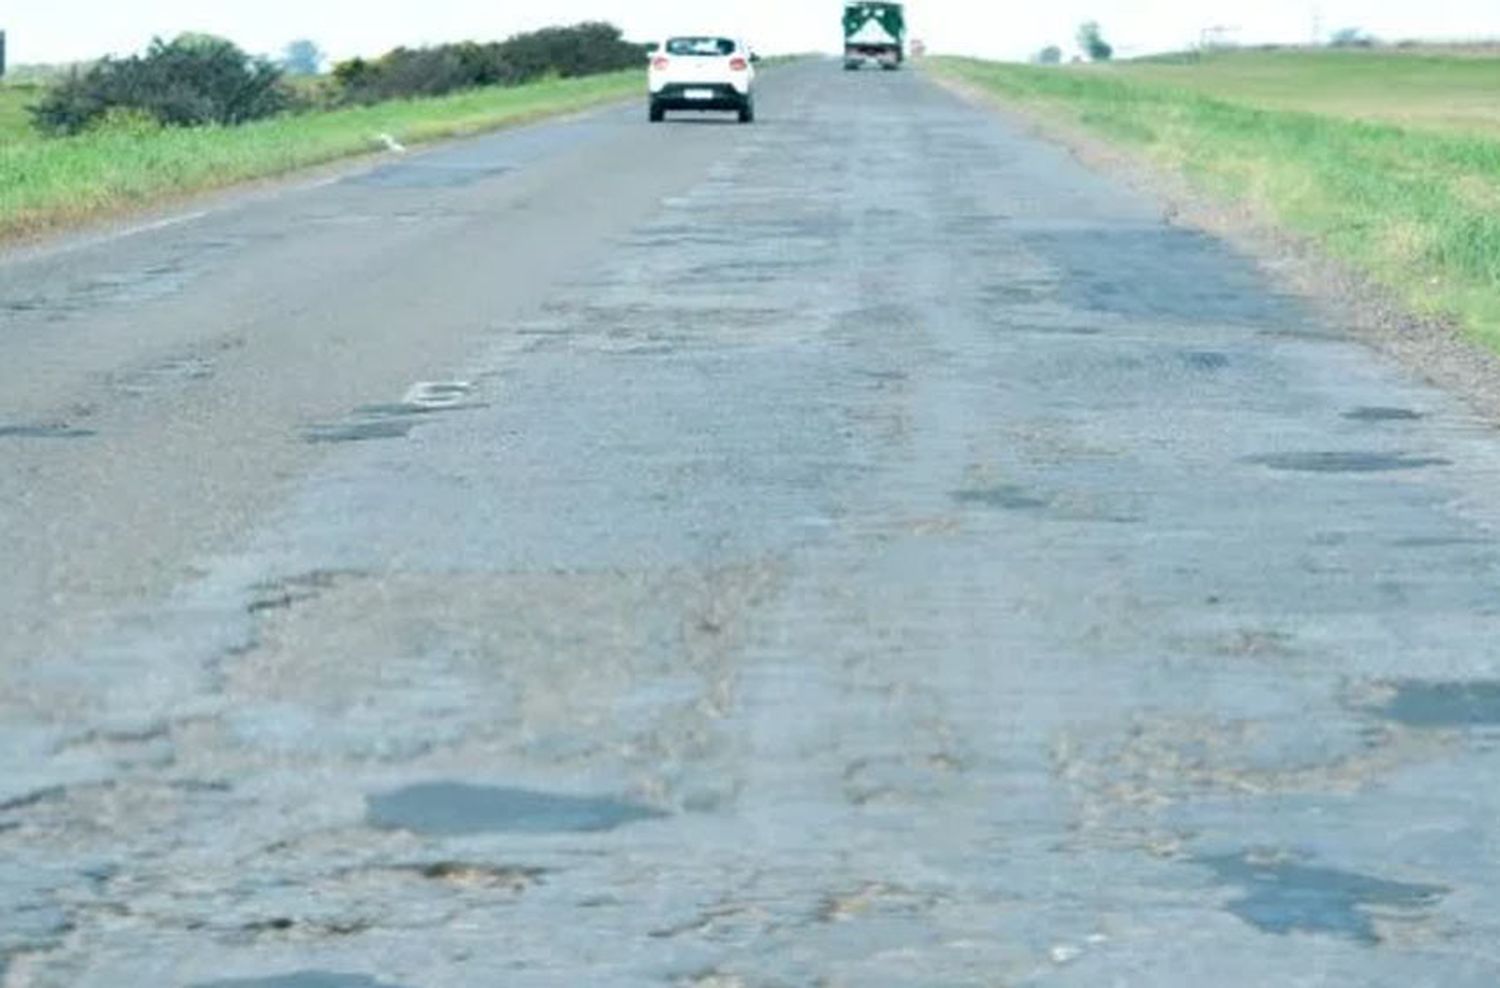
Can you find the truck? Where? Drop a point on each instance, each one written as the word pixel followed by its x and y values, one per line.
pixel 874 33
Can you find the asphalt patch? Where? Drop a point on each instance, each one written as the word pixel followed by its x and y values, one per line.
pixel 302 979
pixel 1418 703
pixel 1284 897
pixel 450 809
pixel 1347 462
pixel 1382 414
pixel 44 432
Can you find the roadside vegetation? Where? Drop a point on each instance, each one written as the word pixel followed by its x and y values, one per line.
pixel 15 121
pixel 1371 155
pixel 196 113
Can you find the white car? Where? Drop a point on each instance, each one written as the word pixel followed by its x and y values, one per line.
pixel 702 72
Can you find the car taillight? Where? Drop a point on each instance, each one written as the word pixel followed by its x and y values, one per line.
pixel 738 65
pixel 659 63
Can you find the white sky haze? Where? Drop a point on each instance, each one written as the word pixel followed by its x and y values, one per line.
pixel 65 30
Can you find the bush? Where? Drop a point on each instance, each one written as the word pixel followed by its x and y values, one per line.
pixel 581 50
pixel 192 80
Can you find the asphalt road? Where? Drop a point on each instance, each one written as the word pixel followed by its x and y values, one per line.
pixel 861 549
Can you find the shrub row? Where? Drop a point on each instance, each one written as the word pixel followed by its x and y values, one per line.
pixel 567 52
pixel 198 79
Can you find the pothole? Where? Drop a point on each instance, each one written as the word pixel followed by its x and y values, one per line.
pixel 1281 895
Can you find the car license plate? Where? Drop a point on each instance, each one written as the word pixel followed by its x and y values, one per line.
pixel 699 94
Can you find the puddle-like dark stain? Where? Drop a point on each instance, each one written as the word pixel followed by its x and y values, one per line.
pixel 1418 703
pixel 454 809
pixel 1283 896
pixel 302 979
pixel 1205 360
pixel 1006 497
pixel 44 432
pixel 1347 462
pixel 359 432
pixel 1382 414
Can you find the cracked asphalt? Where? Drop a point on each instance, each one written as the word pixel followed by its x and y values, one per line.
pixel 862 549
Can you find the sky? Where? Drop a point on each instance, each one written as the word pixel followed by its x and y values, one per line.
pixel 67 30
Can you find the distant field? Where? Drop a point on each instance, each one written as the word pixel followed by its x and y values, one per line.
pixel 1389 161
pixel 46 183
pixel 1420 88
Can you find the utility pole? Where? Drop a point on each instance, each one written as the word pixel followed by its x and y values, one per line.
pixel 1317 25
pixel 2 53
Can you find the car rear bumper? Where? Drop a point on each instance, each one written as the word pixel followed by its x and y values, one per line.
pixel 722 96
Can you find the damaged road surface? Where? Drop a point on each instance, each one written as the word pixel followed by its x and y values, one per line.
pixel 862 549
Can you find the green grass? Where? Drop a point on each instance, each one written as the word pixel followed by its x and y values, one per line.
pixel 49 183
pixel 1416 208
pixel 15 122
pixel 1419 89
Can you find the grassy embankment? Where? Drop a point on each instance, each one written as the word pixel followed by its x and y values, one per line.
pixel 47 183
pixel 1389 161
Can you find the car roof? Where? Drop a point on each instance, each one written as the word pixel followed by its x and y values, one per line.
pixel 704 34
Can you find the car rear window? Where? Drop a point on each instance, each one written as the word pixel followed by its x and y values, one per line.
pixel 704 47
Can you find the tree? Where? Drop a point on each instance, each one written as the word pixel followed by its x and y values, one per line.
pixel 1091 40
pixel 1050 55
pixel 302 57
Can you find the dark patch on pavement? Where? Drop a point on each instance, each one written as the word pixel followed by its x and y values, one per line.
pixel 1347 462
pixel 1156 272
pixel 1205 360
pixel 285 594
pixel 394 420
pixel 1382 414
pixel 452 808
pixel 428 175
pixel 1037 329
pixel 514 878
pixel 168 373
pixel 30 799
pixel 52 431
pixel 1006 497
pixel 302 979
pixel 359 432
pixel 1418 703
pixel 1436 542
pixel 396 410
pixel 1284 897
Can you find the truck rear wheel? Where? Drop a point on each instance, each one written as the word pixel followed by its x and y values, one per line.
pixel 656 114
pixel 747 113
